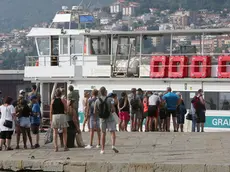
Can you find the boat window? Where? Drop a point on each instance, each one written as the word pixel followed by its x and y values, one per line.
pixel 224 101
pixel 43 46
pixel 217 100
pixel 64 45
pixel 64 25
pixel 211 100
pixel 76 45
pixel 115 42
pixel 99 46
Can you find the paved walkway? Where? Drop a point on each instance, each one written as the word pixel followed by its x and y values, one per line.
pixel 139 152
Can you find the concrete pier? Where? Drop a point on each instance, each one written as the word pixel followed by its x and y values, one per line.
pixel 139 152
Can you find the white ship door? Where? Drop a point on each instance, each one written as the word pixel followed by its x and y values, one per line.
pixel 54 60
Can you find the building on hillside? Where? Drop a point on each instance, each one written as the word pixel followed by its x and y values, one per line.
pixel 130 9
pixel 183 18
pixel 166 26
pixel 209 45
pixel 156 41
pixel 105 20
pixel 116 7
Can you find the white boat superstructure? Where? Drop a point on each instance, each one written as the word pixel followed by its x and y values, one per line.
pixel 119 61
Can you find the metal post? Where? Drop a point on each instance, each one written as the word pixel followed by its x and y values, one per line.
pixel 83 49
pixel 111 50
pixel 49 95
pixel 42 97
pixel 202 49
pixel 140 59
pixel 111 55
pixel 171 43
pixel 200 43
pixel 53 91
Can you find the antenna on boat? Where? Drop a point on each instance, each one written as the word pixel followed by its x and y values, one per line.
pixel 81 3
pixel 89 5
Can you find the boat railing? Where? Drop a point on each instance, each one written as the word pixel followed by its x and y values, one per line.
pixel 48 60
pixel 143 59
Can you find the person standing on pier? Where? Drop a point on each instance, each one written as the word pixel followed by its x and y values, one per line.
pixel 140 95
pixel 123 105
pixel 181 112
pixel 85 103
pixel 171 100
pixel 35 119
pixel 7 123
pixel 34 92
pixel 135 110
pixel 153 103
pixel 74 95
pixel 19 105
pixel 94 121
pixel 199 105
pixel 104 108
pixel 23 113
pixel 58 119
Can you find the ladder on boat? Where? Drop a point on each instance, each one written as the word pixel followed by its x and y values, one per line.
pixel 121 60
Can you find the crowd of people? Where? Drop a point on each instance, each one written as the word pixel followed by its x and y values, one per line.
pixel 103 112
pixel 21 116
pixel 155 108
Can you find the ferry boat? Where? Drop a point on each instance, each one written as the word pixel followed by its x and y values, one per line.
pixel 118 60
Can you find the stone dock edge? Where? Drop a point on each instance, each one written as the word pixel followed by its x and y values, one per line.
pixel 73 166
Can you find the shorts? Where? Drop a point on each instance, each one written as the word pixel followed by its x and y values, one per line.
pixel 124 116
pixel 110 125
pixel 136 114
pixel 59 121
pixel 24 122
pixel 35 128
pixel 201 117
pixel 171 112
pixel 6 134
pixel 152 112
pixel 145 114
pixel 163 114
pixel 180 118
pixel 92 123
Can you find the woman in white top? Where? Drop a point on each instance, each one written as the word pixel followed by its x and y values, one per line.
pixel 7 124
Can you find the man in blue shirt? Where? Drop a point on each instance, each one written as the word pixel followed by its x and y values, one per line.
pixel 171 100
pixel 35 119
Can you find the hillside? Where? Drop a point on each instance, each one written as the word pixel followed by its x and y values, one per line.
pixel 215 5
pixel 24 13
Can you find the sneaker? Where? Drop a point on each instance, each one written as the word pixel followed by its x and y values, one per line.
pixel 102 152
pixel 98 146
pixel 36 146
pixel 115 149
pixel 89 147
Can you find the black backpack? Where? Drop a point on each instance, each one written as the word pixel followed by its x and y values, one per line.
pixel 134 104
pixel 104 110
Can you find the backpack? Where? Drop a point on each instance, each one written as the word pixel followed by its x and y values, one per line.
pixel 91 103
pixel 196 103
pixel 104 111
pixel 182 109
pixel 134 104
